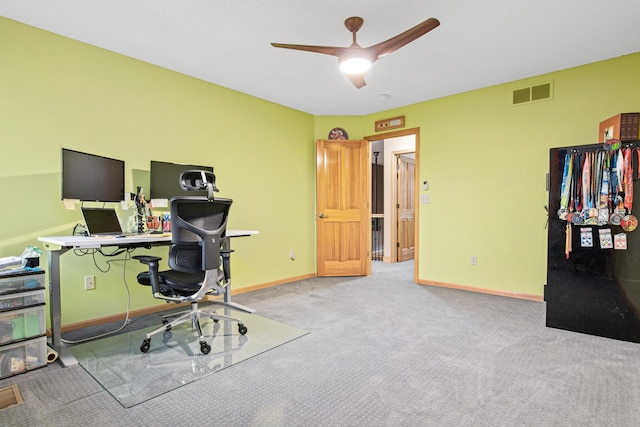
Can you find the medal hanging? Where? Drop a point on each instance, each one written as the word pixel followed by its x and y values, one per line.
pixel 616 218
pixel 595 188
pixel 586 181
pixel 566 185
pixel 618 199
pixel 603 205
pixel 592 190
pixel 628 222
pixel 613 189
pixel 576 191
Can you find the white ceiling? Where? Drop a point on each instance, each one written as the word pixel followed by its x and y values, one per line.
pixel 227 42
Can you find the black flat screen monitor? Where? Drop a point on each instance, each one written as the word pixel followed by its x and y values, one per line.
pixel 165 180
pixel 89 177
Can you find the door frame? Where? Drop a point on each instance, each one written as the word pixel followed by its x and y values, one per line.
pixel 416 133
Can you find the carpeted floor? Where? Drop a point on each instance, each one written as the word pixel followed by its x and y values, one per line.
pixel 382 351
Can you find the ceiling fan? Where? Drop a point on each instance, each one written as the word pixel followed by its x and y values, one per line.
pixel 356 60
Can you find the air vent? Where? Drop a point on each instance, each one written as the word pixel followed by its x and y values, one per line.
pixel 541 92
pixel 521 95
pixel 531 94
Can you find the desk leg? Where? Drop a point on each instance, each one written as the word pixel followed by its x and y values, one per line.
pixel 55 308
pixel 226 267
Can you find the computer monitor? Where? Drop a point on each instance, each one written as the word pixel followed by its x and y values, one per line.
pixel 165 180
pixel 89 177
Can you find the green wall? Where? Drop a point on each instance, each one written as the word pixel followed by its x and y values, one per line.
pixel 55 92
pixel 486 162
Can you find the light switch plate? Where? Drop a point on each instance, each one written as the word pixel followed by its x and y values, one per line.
pixel 425 198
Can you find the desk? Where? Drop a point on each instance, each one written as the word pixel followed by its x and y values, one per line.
pixel 58 245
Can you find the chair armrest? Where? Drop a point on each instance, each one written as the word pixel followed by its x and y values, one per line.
pixel 147 259
pixel 153 262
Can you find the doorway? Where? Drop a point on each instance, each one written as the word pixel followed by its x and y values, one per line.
pixel 397 224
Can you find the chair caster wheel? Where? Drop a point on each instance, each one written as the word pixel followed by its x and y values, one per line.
pixel 204 347
pixel 146 345
pixel 166 336
pixel 242 329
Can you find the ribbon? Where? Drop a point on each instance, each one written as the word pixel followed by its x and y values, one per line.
pixel 604 186
pixel 620 169
pixel 613 176
pixel 575 205
pixel 566 181
pixel 628 180
pixel 567 242
pixel 586 181
pixel 578 180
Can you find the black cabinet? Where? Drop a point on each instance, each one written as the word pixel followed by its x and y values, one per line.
pixel 595 290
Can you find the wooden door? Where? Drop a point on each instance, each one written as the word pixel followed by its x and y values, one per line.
pixel 406 208
pixel 342 191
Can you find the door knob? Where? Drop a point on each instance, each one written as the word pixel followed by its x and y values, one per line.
pixel 321 215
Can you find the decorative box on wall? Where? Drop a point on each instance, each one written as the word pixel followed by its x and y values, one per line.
pixel 388 124
pixel 623 127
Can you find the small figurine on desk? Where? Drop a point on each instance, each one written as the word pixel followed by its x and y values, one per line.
pixel 140 205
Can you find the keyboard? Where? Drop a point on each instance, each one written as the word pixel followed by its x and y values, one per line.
pixel 145 235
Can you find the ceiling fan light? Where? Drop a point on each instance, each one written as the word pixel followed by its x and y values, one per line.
pixel 355 65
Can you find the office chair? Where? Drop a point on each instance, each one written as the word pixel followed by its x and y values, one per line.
pixel 198 225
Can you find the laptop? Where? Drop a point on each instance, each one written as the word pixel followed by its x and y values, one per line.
pixel 102 222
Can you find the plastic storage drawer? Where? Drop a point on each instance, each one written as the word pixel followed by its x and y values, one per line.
pixel 16 325
pixel 20 282
pixel 21 300
pixel 23 356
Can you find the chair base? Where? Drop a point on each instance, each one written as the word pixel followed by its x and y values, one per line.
pixel 193 316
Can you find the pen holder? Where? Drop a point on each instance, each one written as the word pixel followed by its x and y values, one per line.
pixel 166 225
pixel 153 223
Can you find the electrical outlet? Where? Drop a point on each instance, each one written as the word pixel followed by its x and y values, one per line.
pixel 474 260
pixel 292 255
pixel 89 283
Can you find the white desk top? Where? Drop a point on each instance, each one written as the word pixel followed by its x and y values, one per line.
pixel 83 242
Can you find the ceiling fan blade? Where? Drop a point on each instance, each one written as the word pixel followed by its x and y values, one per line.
pixel 327 50
pixel 357 80
pixel 402 39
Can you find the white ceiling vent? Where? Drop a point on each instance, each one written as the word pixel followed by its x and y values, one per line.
pixel 533 93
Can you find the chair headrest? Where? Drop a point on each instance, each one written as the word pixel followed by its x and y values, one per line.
pixel 196 179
